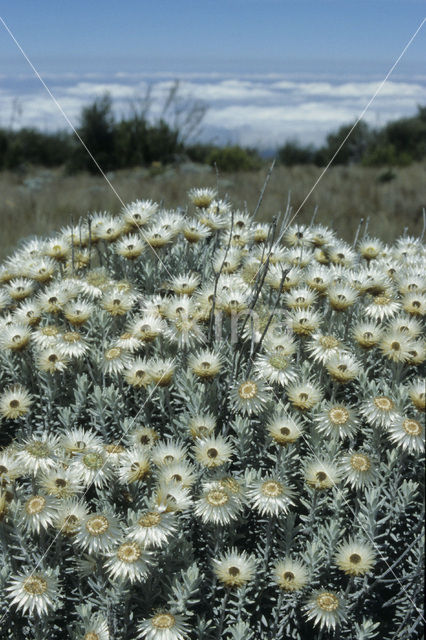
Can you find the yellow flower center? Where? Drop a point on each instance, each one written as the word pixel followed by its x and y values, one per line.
pixel 35 585
pixel 113 353
pixel 338 415
pixel 328 342
pixel 97 525
pixel 163 621
pixel 217 498
pixel 247 390
pixel 37 449
pixel 360 462
pixel 150 519
pixel 271 488
pixel 412 427
pixel 327 601
pixel 35 505
pixel 93 460
pixel 71 336
pixel 91 635
pixel 129 552
pixel 383 403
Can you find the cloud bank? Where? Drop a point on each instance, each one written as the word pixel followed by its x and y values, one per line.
pixel 262 110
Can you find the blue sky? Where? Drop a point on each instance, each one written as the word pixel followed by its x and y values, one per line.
pixel 295 66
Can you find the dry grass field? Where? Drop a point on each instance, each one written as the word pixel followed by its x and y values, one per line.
pixel 42 201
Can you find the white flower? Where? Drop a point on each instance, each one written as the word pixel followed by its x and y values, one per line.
pixel 234 569
pixel 79 440
pixel 336 419
pixel 275 368
pixel 354 558
pixel 321 475
pixel 407 433
pixel 129 561
pixel 115 360
pixel 217 505
pixel 325 608
pixel 69 516
pixel 39 512
pixel 290 575
pixel 357 469
pixel 134 465
pixel 34 591
pixel 284 429
pixel 98 532
pixel 270 496
pixel 379 411
pixel 92 467
pixel 38 454
pixel 249 396
pixel 151 528
pixel 15 402
pixel 343 367
pixel 164 626
pixel 304 395
pixel 213 452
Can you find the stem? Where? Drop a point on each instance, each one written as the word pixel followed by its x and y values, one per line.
pixel 222 615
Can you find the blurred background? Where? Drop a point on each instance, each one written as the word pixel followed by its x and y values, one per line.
pixel 169 96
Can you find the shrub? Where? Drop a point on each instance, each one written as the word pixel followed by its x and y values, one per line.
pixel 235 158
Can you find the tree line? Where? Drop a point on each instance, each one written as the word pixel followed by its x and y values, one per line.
pixel 140 140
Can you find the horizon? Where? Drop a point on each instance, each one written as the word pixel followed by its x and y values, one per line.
pixel 280 70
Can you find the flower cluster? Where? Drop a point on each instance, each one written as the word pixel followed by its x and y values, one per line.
pixel 208 425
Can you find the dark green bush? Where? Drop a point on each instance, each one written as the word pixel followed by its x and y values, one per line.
pixel 235 159
pixel 294 153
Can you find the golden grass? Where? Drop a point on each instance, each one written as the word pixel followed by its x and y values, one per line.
pixel 46 200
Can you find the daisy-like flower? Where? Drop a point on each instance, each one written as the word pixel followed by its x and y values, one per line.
pixel 137 213
pixel 194 231
pixel 322 347
pixel 142 436
pixel 304 395
pixel 249 396
pixel 407 433
pixel 342 254
pixel 128 342
pixel 185 331
pixel 46 337
pixel 300 298
pixel 284 429
pixel 274 277
pixel 94 628
pixel 117 302
pixel 15 338
pixel 321 475
pixel 318 278
pixel 52 300
pixel 52 360
pixel 213 452
pixel 129 561
pixel 414 303
pixel 354 558
pixel 61 483
pixel 417 352
pixel 367 334
pixel 343 367
pixel 396 346
pixel 15 402
pixel 370 248
pixel 72 344
pixel 75 441
pixel 164 626
pixel 417 393
pixel 130 247
pixel 303 322
pixel 151 528
pixel 134 465
pixel 337 419
pixel 282 344
pixel 185 285
pixel 179 472
pixel 168 452
pixel 202 425
pixel 28 314
pixel 298 235
pixel 157 238
pixel 98 533
pixel 77 312
pixel 137 373
pixel 92 467
pixel 58 249
pixel 269 496
pixel 38 453
pixel 234 569
pixel 290 575
pixel 20 288
pixel 202 197
pixel 172 497
pixel 325 608
pixel 409 327
pixel 147 328
pixel 34 591
pixel 205 364
pixel 381 307
pixel 115 360
pixel 357 469
pixel 70 516
pixel 379 411
pixel 10 469
pixel 217 505
pixel 275 368
pixel 227 261
pixel 341 297
pixel 38 513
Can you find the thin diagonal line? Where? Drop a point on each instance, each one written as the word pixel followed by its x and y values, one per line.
pixel 81 140
pixel 347 503
pixel 367 106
